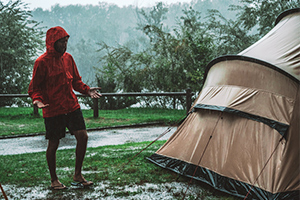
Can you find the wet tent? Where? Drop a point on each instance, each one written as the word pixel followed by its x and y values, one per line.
pixel 243 134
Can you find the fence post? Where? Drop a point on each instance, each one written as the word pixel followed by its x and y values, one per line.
pixel 35 110
pixel 188 99
pixel 95 108
pixel 174 102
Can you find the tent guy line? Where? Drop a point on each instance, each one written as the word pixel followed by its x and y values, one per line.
pixel 211 135
pixel 263 168
pixel 160 136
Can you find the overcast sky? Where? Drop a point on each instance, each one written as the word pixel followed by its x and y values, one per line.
pixel 46 4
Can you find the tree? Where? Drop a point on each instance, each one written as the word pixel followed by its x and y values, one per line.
pixel 119 73
pixel 261 14
pixel 20 41
pixel 228 35
pixel 255 18
pixel 179 57
pixel 173 61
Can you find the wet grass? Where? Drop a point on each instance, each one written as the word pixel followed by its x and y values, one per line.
pixel 102 165
pixel 18 121
pixel 24 173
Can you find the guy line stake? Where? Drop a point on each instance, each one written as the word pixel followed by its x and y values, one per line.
pixel 5 197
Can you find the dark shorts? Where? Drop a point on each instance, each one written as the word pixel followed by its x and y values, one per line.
pixel 56 126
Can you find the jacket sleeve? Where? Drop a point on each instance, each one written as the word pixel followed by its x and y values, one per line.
pixel 37 83
pixel 77 84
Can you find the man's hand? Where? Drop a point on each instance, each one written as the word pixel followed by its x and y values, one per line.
pixel 40 104
pixel 93 92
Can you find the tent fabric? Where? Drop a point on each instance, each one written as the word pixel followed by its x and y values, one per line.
pixel 249 59
pixel 246 73
pixel 281 46
pixel 253 101
pixel 217 181
pixel 238 159
pixel 244 131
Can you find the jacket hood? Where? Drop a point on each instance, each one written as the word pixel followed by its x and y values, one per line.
pixel 52 35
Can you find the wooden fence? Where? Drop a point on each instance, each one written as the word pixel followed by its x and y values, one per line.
pixel 188 94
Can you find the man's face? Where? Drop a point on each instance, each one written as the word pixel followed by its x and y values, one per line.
pixel 61 45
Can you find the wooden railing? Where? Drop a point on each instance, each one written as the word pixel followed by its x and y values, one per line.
pixel 188 94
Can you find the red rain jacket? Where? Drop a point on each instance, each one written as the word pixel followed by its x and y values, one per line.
pixel 55 75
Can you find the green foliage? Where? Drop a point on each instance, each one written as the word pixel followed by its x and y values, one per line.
pixel 173 61
pixel 254 20
pixel 87 26
pixel 118 74
pixel 156 15
pixel 228 35
pixel 149 64
pixel 179 57
pixel 162 48
pixel 20 41
pixel 261 14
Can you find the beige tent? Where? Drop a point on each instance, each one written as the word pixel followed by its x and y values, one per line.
pixel 243 134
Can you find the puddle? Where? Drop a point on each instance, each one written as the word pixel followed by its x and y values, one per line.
pixel 96 139
pixel 103 190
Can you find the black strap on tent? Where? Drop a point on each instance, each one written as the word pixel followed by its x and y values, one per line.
pixel 160 136
pixel 278 126
pixel 210 137
pixel 263 167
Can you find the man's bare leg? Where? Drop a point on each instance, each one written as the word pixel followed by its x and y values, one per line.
pixel 82 138
pixel 51 160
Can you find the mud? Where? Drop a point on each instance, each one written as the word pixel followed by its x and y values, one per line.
pixel 103 190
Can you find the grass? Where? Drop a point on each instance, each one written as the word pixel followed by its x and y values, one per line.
pixel 102 164
pixel 18 121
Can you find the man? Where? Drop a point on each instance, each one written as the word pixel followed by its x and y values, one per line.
pixel 55 75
